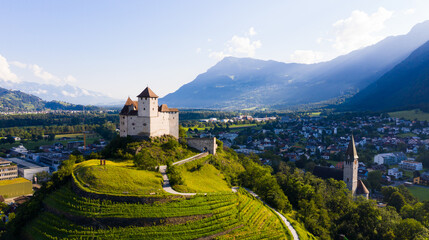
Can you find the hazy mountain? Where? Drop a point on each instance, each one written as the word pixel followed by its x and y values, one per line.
pixel 20 101
pixel 405 86
pixel 66 93
pixel 244 82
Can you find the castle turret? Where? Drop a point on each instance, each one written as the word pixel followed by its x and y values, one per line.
pixel 147 103
pixel 351 164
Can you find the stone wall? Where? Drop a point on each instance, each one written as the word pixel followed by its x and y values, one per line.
pixel 203 144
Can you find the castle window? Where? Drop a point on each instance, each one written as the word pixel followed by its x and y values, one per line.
pixel 145 98
pixel 132 124
pixel 144 124
pixel 134 128
pixel 153 109
pixel 144 108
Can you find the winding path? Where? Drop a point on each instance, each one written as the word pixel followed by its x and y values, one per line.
pixel 163 169
pixel 167 187
pixel 289 226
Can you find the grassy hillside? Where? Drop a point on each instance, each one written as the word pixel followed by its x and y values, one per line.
pixel 118 178
pixel 411 115
pixel 201 177
pixel 224 216
pixel 19 101
pixel 122 201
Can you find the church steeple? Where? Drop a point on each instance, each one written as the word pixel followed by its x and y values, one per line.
pixel 350 171
pixel 351 153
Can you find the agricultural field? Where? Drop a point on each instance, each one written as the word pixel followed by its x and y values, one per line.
pixel 421 193
pixel 15 187
pixel 411 115
pixel 216 216
pixel 118 178
pixel 201 177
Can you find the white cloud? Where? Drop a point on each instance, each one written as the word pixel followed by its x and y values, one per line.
pixel 252 31
pixel 70 79
pixel 198 50
pixel 359 30
pixel 306 56
pixel 218 55
pixel 5 73
pixel 18 64
pixel 67 94
pixel 238 46
pixel 410 11
pixel 42 74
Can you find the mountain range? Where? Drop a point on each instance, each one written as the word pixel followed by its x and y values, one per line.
pixel 64 93
pixel 20 101
pixel 240 83
pixel 406 86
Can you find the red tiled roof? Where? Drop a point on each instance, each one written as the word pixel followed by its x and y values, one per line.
pixel 164 108
pixel 147 92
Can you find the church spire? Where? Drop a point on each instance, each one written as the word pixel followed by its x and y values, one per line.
pixel 351 153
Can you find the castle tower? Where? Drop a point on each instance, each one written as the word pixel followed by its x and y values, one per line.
pixel 351 164
pixel 148 103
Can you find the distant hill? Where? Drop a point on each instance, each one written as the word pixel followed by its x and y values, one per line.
pixel 66 93
pixel 239 83
pixel 406 86
pixel 19 101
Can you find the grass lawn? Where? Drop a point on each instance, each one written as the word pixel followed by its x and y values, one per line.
pixel 420 193
pixel 411 115
pixel 201 177
pixel 118 178
pixel 13 181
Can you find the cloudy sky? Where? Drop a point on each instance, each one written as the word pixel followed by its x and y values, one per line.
pixel 120 47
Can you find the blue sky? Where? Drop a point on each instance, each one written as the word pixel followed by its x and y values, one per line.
pixel 119 47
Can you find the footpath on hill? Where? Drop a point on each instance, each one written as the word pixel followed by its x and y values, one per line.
pixel 167 187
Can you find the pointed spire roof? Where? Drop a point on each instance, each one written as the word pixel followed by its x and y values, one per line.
pixel 361 188
pixel 129 102
pixel 147 92
pixel 351 153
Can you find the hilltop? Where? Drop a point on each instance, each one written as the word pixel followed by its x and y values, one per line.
pixel 124 199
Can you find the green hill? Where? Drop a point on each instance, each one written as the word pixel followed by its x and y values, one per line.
pixel 122 200
pixel 11 100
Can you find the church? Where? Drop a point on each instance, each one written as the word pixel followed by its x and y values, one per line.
pixel 349 174
pixel 145 118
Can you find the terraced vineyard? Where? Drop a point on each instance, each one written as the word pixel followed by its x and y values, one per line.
pixel 225 216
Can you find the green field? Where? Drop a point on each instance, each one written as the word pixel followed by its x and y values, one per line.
pixel 411 115
pixel 15 187
pixel 221 216
pixel 36 144
pixel 201 177
pixel 119 178
pixel 421 193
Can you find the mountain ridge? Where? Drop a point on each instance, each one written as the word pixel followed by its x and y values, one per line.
pixel 239 83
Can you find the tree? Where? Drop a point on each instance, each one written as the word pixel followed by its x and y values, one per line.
pixel 374 180
pixel 397 201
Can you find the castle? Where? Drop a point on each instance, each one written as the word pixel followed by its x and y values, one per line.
pixel 145 118
pixel 349 174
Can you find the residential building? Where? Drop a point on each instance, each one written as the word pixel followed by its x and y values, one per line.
pixel 389 158
pixel 394 172
pixel 411 165
pixel 28 169
pixel 7 170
